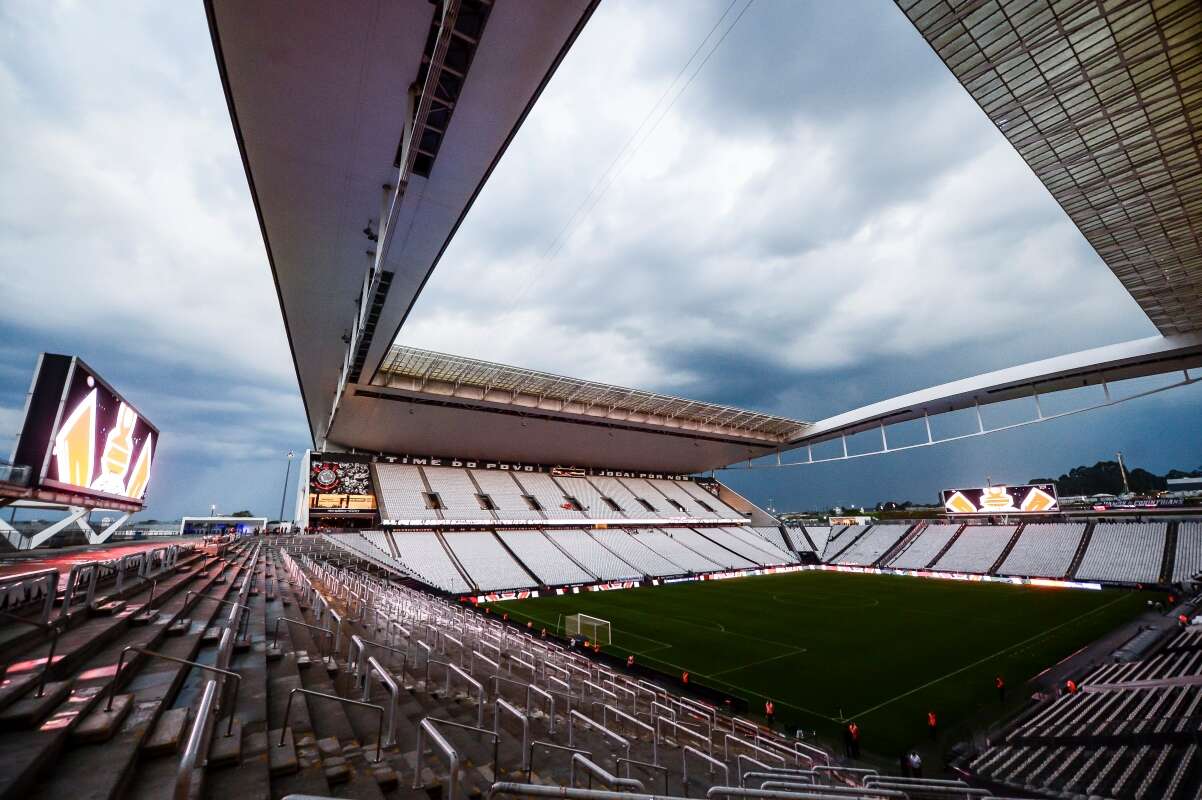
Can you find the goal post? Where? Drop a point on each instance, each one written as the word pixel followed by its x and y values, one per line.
pixel 594 629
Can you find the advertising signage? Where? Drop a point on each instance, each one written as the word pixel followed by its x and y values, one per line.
pixel 340 485
pixel 81 435
pixel 1034 498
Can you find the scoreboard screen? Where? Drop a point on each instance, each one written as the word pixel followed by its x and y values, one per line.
pixel 1032 498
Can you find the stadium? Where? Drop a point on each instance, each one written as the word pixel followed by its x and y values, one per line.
pixel 500 581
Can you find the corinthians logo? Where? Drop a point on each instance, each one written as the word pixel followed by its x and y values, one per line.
pixel 119 472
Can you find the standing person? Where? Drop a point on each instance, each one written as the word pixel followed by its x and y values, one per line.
pixel 932 724
pixel 1000 683
pixel 684 677
pixel 770 711
pixel 915 764
pixel 1071 686
pixel 853 735
pixel 630 662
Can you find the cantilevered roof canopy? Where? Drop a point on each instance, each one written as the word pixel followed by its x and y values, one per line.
pixel 1104 102
pixel 366 130
pixel 431 403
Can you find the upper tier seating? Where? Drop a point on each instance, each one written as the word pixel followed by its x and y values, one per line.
pixel 660 507
pixel 543 558
pixel 976 549
pixel 592 556
pixel 423 555
pixel 455 489
pixel 616 490
pixel 1188 561
pixel 542 488
pixel 402 492
pixel 1125 552
pixel 505 493
pixel 704 495
pixel 873 545
pixel 687 559
pixel 1044 550
pixel 591 502
pixel 719 555
pixel 486 561
pixel 673 490
pixel 635 553
pixel 923 548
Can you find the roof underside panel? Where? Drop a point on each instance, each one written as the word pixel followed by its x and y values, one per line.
pixel 1104 102
pixel 320 95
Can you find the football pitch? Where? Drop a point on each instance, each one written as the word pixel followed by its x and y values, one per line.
pixel 829 647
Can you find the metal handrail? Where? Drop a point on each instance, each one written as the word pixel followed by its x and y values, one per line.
pixel 121 663
pixel 427 727
pixel 817 793
pixel 552 746
pixel 187 764
pixel 595 770
pixel 713 762
pixel 620 760
pixel 470 680
pixel 360 664
pixel 530 688
pixel 750 745
pixel 500 703
pixel 275 637
pixel 47 576
pixel 245 616
pixel 590 722
pixel 679 728
pixel 638 723
pixel 55 630
pixel 374 667
pixel 344 700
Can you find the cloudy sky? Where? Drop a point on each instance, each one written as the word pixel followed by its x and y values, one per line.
pixel 810 216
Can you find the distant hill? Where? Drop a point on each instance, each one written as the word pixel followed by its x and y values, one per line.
pixel 1105 477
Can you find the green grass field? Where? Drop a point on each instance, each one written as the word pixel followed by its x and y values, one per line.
pixel 830 646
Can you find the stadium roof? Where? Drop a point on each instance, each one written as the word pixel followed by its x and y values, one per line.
pixel 427 403
pixel 1104 102
pixel 413 368
pixel 366 131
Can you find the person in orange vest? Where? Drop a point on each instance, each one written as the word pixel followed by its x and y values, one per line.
pixel 851 740
pixel 770 711
pixel 684 678
pixel 1001 688
pixel 630 662
pixel 596 647
pixel 1071 685
pixel 932 724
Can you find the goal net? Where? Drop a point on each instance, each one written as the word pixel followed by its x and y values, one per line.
pixel 592 628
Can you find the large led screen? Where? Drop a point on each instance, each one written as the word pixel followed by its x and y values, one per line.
pixel 82 435
pixel 1026 499
pixel 337 484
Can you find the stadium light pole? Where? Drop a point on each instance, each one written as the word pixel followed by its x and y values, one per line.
pixel 284 494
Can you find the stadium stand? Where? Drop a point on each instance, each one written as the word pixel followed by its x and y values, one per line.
pixel 722 509
pixel 1131 732
pixel 585 550
pixel 506 495
pixel 841 540
pixel 457 493
pixel 976 549
pixel 616 490
pixel 486 561
pixel 650 499
pixel 1044 550
pixel 777 539
pixel 872 545
pixel 1187 562
pixel 702 509
pixel 923 548
pixel 402 492
pixel 635 553
pixel 592 504
pixel 544 559
pixel 747 545
pixel 709 549
pixel 1124 553
pixel 689 560
pixel 550 497
pixel 423 555
pixel 819 534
